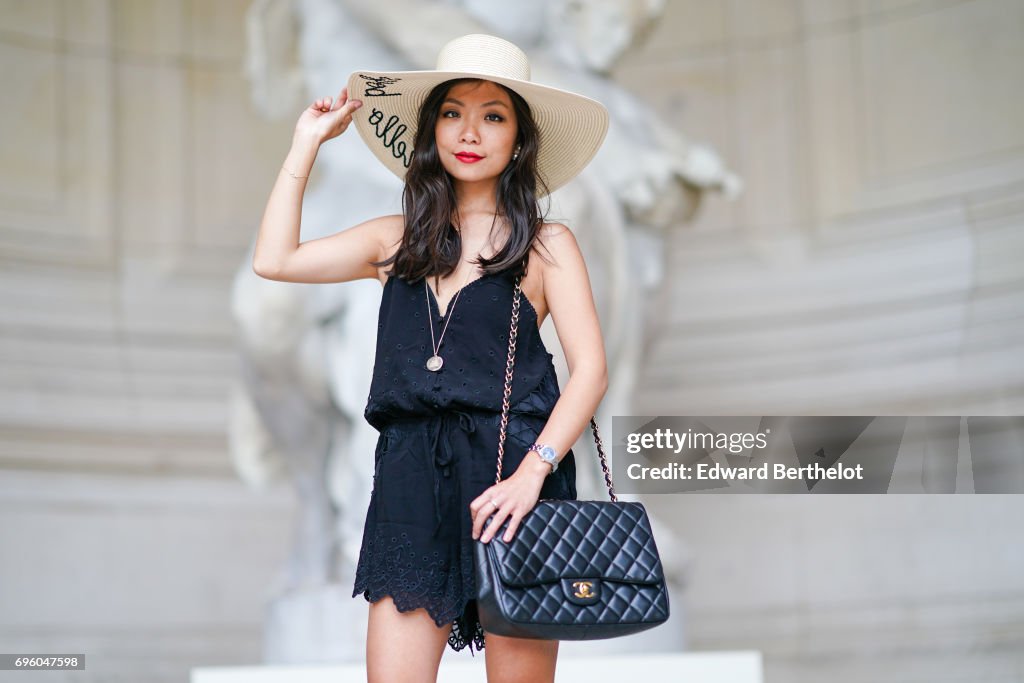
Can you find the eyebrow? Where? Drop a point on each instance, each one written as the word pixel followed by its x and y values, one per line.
pixel 485 104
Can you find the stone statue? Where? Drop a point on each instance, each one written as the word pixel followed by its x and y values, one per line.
pixel 308 349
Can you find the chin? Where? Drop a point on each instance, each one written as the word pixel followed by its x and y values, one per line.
pixel 470 175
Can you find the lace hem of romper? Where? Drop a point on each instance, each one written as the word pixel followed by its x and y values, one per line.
pixel 467 631
pixel 413 581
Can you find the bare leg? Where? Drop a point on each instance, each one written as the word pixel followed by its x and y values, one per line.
pixel 403 647
pixel 520 660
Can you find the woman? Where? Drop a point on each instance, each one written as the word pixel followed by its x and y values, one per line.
pixel 477 144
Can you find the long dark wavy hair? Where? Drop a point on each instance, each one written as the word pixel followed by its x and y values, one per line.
pixel 431 246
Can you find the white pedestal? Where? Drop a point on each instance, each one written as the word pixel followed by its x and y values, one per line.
pixel 703 667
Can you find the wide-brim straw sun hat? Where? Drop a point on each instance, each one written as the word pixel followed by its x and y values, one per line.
pixel 571 126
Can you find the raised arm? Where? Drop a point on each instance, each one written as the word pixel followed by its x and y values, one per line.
pixel 341 257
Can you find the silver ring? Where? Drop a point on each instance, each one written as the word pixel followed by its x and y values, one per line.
pixel 493 503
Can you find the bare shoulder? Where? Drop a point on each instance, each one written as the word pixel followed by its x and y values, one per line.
pixel 561 246
pixel 382 228
pixel 560 266
pixel 387 229
pixel 570 299
pixel 391 229
pixel 392 226
pixel 549 230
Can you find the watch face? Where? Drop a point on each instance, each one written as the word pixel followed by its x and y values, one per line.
pixel 548 452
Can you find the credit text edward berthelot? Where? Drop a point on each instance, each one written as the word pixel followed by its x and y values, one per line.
pixel 734 442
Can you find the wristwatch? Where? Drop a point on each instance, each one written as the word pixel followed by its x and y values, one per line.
pixel 546 453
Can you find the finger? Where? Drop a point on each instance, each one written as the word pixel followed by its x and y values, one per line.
pixel 342 98
pixel 492 528
pixel 352 105
pixel 479 516
pixel 343 114
pixel 513 524
pixel 483 507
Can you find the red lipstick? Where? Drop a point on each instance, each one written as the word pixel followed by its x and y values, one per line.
pixel 468 157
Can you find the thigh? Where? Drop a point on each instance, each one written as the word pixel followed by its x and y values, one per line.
pixel 520 660
pixel 403 646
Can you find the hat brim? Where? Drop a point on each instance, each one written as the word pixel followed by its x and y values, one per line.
pixel 571 126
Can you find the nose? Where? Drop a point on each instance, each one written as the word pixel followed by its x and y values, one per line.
pixel 469 132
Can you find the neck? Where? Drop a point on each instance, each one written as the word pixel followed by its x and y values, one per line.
pixel 478 197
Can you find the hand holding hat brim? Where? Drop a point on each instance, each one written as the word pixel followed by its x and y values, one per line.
pixel 325 119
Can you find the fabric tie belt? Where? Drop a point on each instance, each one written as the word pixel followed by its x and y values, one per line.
pixel 448 433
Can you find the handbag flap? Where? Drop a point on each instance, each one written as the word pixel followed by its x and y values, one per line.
pixel 574 539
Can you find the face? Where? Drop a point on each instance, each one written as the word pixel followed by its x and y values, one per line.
pixel 476 131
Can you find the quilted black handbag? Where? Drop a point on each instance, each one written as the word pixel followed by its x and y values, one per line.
pixel 575 569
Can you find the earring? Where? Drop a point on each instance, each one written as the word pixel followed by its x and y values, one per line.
pixel 516 154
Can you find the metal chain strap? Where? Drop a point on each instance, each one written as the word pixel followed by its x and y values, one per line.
pixel 508 377
pixel 513 332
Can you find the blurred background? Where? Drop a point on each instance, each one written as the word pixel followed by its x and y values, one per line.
pixel 825 218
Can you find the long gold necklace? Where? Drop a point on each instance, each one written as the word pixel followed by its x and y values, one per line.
pixel 435 362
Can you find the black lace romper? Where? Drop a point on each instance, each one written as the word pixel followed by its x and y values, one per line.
pixel 438 444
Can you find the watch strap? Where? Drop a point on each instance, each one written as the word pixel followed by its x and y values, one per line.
pixel 549 458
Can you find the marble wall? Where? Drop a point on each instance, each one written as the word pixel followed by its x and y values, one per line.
pixel 133 175
pixel 869 268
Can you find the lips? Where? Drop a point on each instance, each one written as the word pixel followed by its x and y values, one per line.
pixel 468 157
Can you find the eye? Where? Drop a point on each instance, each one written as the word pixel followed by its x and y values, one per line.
pixel 498 118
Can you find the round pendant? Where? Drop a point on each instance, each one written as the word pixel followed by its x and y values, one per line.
pixel 434 363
